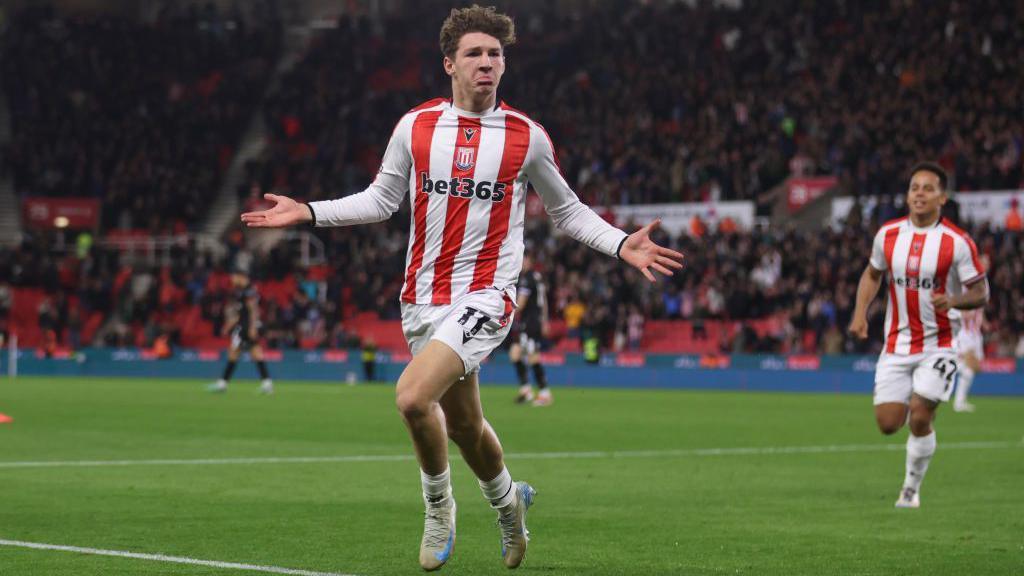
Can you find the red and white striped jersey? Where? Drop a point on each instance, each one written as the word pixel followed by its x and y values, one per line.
pixel 972 321
pixel 466 175
pixel 921 262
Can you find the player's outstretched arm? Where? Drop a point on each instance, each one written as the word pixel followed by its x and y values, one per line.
pixel 285 212
pixel 639 251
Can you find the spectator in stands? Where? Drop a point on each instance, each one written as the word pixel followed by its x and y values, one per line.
pixel 6 298
pixel 1013 220
pixel 573 316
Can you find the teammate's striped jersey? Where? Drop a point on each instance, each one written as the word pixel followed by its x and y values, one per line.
pixel 466 175
pixel 921 262
pixel 972 321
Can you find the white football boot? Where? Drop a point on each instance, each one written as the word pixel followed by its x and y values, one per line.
pixel 909 498
pixel 438 533
pixel 512 521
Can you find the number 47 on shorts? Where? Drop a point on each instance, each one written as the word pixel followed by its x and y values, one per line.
pixel 947 368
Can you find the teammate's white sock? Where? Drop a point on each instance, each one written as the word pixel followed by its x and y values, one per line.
pixel 963 386
pixel 499 491
pixel 919 454
pixel 436 488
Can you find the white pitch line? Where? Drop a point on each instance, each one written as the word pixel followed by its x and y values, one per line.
pixel 206 461
pixel 743 451
pixel 163 558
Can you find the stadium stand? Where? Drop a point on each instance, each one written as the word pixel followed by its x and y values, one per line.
pixel 696 129
pixel 144 117
pixel 789 291
pixel 151 137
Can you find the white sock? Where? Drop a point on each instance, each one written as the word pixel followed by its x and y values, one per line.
pixel 919 454
pixel 436 488
pixel 963 385
pixel 499 491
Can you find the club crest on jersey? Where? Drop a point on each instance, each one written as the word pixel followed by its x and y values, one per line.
pixel 465 157
pixel 913 263
pixel 469 133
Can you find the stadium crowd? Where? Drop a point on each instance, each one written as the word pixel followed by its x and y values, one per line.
pixel 144 117
pixel 671 102
pixel 805 280
pixel 679 103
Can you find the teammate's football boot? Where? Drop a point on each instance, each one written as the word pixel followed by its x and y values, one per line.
pixel 909 498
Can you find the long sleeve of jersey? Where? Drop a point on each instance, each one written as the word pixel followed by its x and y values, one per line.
pixel 562 204
pixel 381 199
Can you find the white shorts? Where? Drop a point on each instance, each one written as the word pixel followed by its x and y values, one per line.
pixel 930 375
pixel 530 346
pixel 970 342
pixel 472 326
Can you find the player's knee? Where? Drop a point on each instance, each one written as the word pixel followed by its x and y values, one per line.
pixel 889 426
pixel 412 406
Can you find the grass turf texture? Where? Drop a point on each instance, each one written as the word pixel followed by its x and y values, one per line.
pixel 796 513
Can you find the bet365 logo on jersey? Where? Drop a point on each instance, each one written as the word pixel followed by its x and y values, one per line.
pixel 915 283
pixel 463 188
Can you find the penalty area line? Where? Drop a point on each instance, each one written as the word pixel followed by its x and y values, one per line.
pixel 164 558
pixel 580 455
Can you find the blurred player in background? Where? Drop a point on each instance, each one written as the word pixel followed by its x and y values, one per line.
pixel 933 273
pixel 971 345
pixel 530 329
pixel 243 324
pixel 465 164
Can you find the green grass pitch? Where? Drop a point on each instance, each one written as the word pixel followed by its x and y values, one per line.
pixel 633 491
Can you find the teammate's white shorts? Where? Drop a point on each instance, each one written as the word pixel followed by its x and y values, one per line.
pixel 970 342
pixel 530 346
pixel 472 326
pixel 930 374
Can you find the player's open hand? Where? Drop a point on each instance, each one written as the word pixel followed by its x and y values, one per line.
pixel 643 254
pixel 858 328
pixel 285 212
